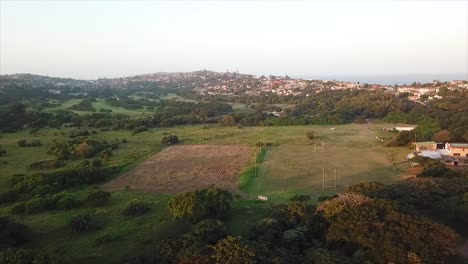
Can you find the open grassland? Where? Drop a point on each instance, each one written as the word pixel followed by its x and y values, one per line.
pixel 350 148
pixel 290 166
pixel 302 167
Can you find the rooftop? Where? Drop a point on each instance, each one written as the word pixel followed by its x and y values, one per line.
pixel 458 145
pixel 426 143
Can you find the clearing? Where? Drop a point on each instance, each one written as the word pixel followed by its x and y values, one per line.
pixel 187 167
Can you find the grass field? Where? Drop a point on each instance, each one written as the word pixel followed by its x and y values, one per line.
pixel 300 166
pixel 289 166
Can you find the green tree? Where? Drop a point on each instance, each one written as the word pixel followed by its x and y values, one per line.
pixel 190 205
pixel 443 136
pixel 388 234
pixel 231 251
pixel 60 149
pixel 198 204
pixel 227 120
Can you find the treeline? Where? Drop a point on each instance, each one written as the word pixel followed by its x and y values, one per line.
pixel 327 107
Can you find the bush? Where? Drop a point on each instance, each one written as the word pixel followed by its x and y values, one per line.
pixel 167 140
pixel 80 223
pixel 2 151
pixel 300 198
pixel 25 143
pixel 104 238
pixel 78 133
pixel 310 134
pixel 139 130
pixel 97 163
pixel 36 205
pixel 46 164
pixel 21 256
pixel 135 207
pixel 21 143
pixel 9 196
pixel 98 197
pixel 18 208
pixel 66 202
pixel 13 234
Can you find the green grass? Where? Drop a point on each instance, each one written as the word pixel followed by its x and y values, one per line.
pixel 100 103
pixel 288 167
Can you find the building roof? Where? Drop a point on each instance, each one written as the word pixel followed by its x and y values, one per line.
pixel 426 143
pixel 430 154
pixel 458 145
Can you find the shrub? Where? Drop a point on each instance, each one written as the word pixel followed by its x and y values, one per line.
pixel 21 256
pixel 300 198
pixel 104 238
pixel 21 143
pixel 9 196
pixel 97 163
pixel 36 205
pixel 25 143
pixel 139 130
pixel 80 223
pixel 323 198
pixel 135 207
pixel 98 197
pixel 167 140
pixel 46 164
pixel 2 151
pixel 310 134
pixel 12 234
pixel 78 133
pixel 66 202
pixel 18 208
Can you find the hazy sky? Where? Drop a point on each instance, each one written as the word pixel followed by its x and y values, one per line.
pixel 91 39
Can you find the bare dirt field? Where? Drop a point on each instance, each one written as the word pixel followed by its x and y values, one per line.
pixel 187 167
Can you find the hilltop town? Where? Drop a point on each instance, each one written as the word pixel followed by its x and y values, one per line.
pixel 232 84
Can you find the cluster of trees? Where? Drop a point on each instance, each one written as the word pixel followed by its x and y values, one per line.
pixel 369 223
pixel 85 105
pixel 26 143
pixel 82 147
pixel 42 185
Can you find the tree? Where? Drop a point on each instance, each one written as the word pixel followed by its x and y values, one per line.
pixel 60 149
pixel 84 150
pixel 443 136
pixel 310 134
pixel 388 234
pixel 198 204
pixel 231 251
pixel 443 91
pixel 190 205
pixel 227 120
pixel 403 138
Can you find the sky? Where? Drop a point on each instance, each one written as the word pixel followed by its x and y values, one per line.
pixel 97 39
